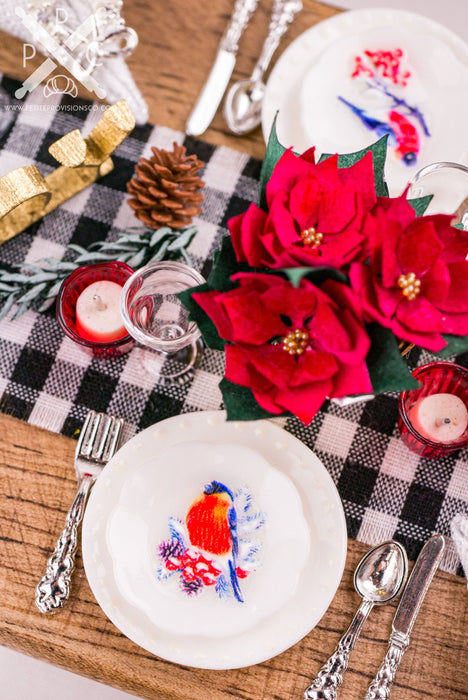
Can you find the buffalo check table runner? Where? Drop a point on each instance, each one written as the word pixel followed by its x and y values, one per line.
pixel 49 381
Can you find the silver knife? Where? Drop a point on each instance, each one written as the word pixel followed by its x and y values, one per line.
pixel 218 79
pixel 418 583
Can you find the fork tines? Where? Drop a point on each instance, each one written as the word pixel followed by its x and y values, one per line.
pixel 99 437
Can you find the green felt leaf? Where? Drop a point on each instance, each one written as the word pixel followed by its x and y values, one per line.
pixel 456 344
pixel 387 368
pixel 225 265
pixel 379 152
pixel 420 204
pixel 274 151
pixel 240 402
pixel 203 321
pixel 317 275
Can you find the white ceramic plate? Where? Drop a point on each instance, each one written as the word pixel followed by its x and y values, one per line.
pixel 307 79
pixel 293 524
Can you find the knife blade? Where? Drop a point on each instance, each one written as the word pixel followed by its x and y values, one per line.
pixel 218 79
pixel 410 603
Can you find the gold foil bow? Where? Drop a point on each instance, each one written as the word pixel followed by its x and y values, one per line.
pixel 26 196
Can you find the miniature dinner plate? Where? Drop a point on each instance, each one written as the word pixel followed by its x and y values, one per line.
pixel 364 74
pixel 214 544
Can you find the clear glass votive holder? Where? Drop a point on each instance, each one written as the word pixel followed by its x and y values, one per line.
pixel 156 317
pixel 67 298
pixel 435 378
pixel 447 184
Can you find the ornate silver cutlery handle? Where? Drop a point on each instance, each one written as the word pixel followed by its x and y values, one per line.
pixel 241 14
pixel 380 687
pixel 54 587
pixel 282 15
pixel 330 676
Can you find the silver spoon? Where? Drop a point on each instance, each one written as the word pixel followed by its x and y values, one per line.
pixel 243 105
pixel 378 578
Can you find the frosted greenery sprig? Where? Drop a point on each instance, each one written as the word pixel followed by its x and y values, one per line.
pixel 35 286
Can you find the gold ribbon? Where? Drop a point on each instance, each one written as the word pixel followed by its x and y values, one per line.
pixel 26 196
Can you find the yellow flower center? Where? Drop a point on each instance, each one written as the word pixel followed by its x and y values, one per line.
pixel 311 237
pixel 295 342
pixel 410 285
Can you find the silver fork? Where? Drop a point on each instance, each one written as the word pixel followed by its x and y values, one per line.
pixel 98 442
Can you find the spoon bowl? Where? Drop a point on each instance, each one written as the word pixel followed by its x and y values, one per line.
pixel 243 106
pixel 381 573
pixel 378 579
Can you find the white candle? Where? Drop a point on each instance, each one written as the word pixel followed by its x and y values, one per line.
pixel 98 316
pixel 440 417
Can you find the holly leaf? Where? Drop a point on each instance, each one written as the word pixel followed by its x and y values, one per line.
pixel 379 154
pixel 317 275
pixel 274 151
pixel 225 265
pixel 420 204
pixel 240 403
pixel 387 368
pixel 456 345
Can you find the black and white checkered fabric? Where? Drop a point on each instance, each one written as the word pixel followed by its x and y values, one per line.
pixel 46 379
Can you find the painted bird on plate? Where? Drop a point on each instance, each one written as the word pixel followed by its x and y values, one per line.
pixel 212 526
pixel 401 132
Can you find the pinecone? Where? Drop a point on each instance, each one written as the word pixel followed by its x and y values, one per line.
pixel 165 188
pixel 171 548
pixel 191 587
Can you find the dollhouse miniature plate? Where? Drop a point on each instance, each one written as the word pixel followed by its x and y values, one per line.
pixel 214 544
pixel 364 74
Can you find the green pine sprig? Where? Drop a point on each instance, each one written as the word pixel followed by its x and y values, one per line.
pixel 35 286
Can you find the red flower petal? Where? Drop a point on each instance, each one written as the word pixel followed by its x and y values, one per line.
pixel 349 382
pixel 276 365
pixel 304 402
pixel 304 201
pixel 418 314
pixel 240 371
pixel 455 323
pixel 436 283
pixel 314 366
pixel 456 299
pixel 308 156
pixel 245 231
pixel 338 210
pixel 281 224
pixel 250 318
pixel 288 168
pixel 455 241
pixel 419 247
pixel 362 172
pixel 209 302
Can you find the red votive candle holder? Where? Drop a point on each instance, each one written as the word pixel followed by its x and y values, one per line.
pixel 433 419
pixel 84 305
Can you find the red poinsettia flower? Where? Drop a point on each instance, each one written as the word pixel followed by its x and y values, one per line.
pixel 417 281
pixel 315 214
pixel 293 347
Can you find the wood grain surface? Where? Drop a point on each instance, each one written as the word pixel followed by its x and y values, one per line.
pixel 178 41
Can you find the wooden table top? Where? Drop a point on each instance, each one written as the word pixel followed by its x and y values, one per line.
pixel 178 41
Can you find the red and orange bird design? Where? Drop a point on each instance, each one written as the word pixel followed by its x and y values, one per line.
pixel 212 526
